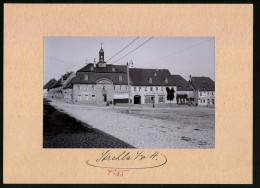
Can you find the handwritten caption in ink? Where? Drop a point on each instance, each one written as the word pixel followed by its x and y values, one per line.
pixel 119 162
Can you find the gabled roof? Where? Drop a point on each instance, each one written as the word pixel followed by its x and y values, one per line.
pixel 203 83
pixel 108 69
pixel 140 77
pixel 66 76
pixel 93 77
pixel 58 83
pixel 49 84
pixel 181 83
pixel 69 84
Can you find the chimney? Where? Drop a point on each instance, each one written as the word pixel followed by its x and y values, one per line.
pixel 61 79
pixel 94 62
pixel 155 73
pixel 190 79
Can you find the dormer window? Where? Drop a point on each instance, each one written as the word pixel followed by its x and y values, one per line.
pixel 86 77
pixel 166 80
pixel 155 73
pixel 113 69
pixel 150 80
pixel 91 68
pixel 120 78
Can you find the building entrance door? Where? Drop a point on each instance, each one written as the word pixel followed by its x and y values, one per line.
pixel 137 99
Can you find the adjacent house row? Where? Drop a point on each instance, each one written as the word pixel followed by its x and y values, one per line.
pixel 107 83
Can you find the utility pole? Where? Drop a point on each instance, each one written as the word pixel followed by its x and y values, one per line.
pixel 129 89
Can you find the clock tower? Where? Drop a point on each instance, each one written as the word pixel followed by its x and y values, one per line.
pixel 101 62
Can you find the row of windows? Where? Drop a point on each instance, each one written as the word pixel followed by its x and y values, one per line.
pixel 120 78
pixel 185 92
pixel 120 87
pixel 206 93
pixel 86 97
pixel 151 80
pixel 149 88
pixel 85 87
pixel 208 101
pixel 113 68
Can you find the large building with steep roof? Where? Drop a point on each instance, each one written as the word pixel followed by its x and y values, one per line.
pixel 101 83
pixel 185 90
pixel 204 90
pixel 150 85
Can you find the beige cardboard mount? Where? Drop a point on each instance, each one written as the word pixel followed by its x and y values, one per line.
pixel 25 25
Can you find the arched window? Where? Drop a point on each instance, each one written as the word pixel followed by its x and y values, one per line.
pixel 166 80
pixel 120 78
pixel 150 80
pixel 113 69
pixel 86 77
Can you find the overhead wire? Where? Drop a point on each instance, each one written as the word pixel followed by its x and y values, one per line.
pixel 122 49
pixel 133 50
pixel 178 52
pixel 62 61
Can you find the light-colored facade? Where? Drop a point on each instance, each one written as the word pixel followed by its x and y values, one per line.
pixel 206 98
pixel 47 86
pixel 151 94
pixel 45 93
pixel 67 94
pixel 204 91
pixel 101 92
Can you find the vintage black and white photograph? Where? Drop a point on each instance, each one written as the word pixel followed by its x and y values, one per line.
pixel 129 92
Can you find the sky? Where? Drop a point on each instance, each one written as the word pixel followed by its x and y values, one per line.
pixel 183 56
